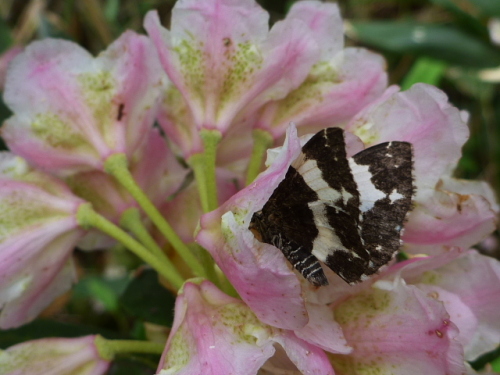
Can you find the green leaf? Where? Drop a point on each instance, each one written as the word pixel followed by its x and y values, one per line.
pixel 146 299
pixel 105 291
pixel 492 358
pixel 496 365
pixel 425 70
pixel 47 29
pixel 111 9
pixel 132 366
pixel 5 36
pixel 441 42
pixel 465 19
pixel 42 328
pixel 490 8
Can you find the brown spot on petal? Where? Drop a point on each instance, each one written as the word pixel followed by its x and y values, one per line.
pixel 227 42
pixel 463 197
pixel 121 107
pixel 439 333
pixel 434 295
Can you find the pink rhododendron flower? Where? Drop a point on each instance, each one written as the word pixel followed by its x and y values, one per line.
pixel 252 266
pixel 220 70
pixel 39 232
pixel 468 284
pixel 464 287
pixel 54 356
pixel 220 65
pixel 72 111
pixel 213 333
pixel 337 87
pixel 398 329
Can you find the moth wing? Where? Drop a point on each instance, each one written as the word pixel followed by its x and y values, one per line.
pixel 383 174
pixel 325 168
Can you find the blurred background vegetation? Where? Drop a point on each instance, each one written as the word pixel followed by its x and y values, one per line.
pixel 453 44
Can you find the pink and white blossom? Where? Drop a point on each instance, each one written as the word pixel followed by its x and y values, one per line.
pixel 54 356
pixel 221 57
pixel 398 329
pixel 72 111
pixel 39 232
pixel 468 284
pixel 216 334
pixel 338 86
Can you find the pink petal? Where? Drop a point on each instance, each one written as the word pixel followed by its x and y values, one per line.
pixel 258 271
pixel 176 120
pixel 217 334
pixel 475 278
pixel 39 232
pixel 395 328
pixel 42 87
pixel 212 334
pixel 156 169
pixel 222 65
pixel 323 331
pixel 187 201
pixel 54 356
pixel 308 359
pixel 422 116
pixel 325 22
pixel 460 314
pixel 451 218
pixel 72 111
pixel 135 68
pixel 35 270
pixel 331 95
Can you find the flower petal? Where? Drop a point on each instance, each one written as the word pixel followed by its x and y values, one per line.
pixel 323 331
pixel 325 22
pixel 458 213
pixel 251 266
pixel 475 278
pixel 72 111
pixel 38 232
pixel 217 334
pixel 54 356
pixel 222 64
pixel 395 328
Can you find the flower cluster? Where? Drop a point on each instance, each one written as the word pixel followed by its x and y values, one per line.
pixel 89 168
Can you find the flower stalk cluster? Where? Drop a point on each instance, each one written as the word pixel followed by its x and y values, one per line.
pixel 88 168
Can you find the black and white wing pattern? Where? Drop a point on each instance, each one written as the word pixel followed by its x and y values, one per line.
pixel 345 212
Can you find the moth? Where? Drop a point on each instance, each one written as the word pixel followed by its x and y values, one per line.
pixel 347 212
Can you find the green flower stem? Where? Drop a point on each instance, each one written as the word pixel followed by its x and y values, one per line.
pixel 131 220
pixel 109 348
pixel 197 163
pixel 262 140
pixel 211 139
pixel 117 166
pixel 88 218
pixel 209 264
